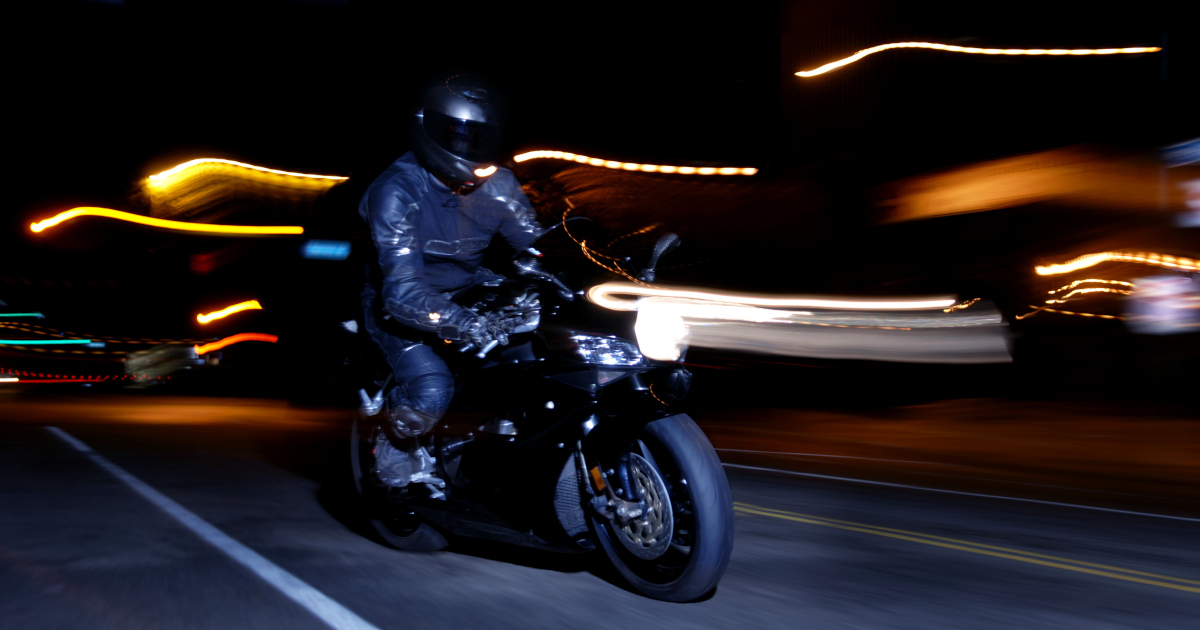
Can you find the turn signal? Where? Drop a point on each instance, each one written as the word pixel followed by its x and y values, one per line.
pixel 598 479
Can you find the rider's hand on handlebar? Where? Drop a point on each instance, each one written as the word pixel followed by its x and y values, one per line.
pixel 493 326
pixel 478 333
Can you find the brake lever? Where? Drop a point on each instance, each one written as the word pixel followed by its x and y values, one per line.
pixel 530 268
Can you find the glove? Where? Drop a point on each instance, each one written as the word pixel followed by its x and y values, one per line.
pixel 493 326
pixel 478 333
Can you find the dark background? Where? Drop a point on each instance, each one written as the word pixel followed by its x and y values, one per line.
pixel 101 95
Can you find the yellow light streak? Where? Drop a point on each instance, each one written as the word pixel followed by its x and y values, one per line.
pixel 1066 297
pixel 591 254
pixel 210 228
pixel 1054 310
pixel 602 295
pixel 959 307
pixel 1091 260
pixel 631 166
pixel 249 305
pixel 228 341
pixel 9 380
pixel 484 172
pixel 975 51
pixel 660 401
pixel 1090 281
pixel 1035 311
pixel 202 165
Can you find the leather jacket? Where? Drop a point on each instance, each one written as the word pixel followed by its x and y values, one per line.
pixel 430 241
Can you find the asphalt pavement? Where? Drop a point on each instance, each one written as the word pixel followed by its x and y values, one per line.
pixel 239 510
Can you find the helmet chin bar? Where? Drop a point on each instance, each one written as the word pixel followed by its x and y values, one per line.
pixel 458 188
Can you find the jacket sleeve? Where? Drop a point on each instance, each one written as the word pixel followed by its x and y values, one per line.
pixel 406 295
pixel 520 227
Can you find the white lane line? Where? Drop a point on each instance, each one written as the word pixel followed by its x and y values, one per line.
pixel 911 461
pixel 969 494
pixel 332 613
pixel 872 459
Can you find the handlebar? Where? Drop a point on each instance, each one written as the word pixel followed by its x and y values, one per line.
pixel 467 347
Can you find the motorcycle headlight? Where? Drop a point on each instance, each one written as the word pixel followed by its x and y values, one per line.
pixel 606 351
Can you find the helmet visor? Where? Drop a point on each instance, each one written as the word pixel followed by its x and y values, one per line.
pixel 468 139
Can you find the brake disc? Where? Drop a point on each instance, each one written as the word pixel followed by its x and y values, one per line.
pixel 648 536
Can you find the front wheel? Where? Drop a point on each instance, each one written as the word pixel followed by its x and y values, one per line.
pixel 394 524
pixel 680 548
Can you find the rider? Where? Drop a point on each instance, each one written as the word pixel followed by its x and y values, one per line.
pixel 431 214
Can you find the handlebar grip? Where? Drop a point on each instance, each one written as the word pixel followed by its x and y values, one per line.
pixel 488 348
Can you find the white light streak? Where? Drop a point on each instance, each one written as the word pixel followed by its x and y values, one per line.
pixel 604 295
pixel 666 326
pixel 1090 281
pixel 975 51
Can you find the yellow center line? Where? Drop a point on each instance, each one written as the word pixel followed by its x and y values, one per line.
pixel 967 542
pixel 986 550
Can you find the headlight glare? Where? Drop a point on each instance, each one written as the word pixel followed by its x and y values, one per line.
pixel 606 351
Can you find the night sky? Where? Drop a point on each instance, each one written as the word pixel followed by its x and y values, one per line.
pixel 102 95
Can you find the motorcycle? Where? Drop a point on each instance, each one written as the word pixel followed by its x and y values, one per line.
pixel 566 439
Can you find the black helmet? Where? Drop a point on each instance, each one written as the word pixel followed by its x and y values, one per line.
pixel 456 133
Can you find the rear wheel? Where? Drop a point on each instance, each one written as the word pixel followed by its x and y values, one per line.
pixel 391 520
pixel 680 548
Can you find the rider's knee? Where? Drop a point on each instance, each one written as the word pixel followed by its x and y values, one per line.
pixel 431 393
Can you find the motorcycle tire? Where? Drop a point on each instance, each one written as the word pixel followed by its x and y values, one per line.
pixel 393 524
pixel 701 506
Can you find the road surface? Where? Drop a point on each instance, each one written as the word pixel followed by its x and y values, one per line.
pixel 228 513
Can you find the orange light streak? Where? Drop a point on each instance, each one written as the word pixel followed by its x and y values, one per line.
pixel 633 233
pixel 975 51
pixel 484 172
pixel 630 166
pixel 591 254
pixel 249 305
pixel 1090 260
pixel 228 341
pixel 163 223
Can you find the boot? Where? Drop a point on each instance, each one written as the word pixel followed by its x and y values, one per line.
pixel 401 464
pixel 404 422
